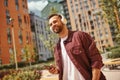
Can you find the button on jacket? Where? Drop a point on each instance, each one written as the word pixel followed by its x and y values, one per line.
pixel 83 53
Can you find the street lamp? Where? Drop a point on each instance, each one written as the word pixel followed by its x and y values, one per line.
pixel 13 38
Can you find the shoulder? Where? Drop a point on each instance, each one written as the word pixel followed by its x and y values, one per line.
pixel 81 33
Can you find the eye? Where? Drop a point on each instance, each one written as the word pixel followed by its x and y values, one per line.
pixel 50 24
pixel 55 21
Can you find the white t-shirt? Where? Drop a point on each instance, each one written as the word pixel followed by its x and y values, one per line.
pixel 70 72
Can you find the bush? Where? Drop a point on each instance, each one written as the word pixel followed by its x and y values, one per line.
pixel 115 53
pixel 111 48
pixel 20 75
pixel 7 66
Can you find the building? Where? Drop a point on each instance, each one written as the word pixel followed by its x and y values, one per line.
pixel 83 16
pixel 60 6
pixel 14 34
pixel 66 13
pixel 38 26
pixel 51 7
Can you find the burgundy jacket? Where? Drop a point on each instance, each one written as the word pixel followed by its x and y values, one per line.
pixel 83 53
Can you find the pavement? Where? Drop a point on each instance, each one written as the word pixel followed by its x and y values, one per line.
pixel 110 74
pixel 48 76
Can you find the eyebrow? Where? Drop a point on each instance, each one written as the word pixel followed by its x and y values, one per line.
pixel 53 21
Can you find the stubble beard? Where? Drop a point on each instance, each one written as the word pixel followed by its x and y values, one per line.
pixel 59 29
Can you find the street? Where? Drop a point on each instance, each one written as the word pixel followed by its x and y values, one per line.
pixel 111 74
pixel 48 76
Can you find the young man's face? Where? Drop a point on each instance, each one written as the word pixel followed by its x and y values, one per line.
pixel 56 24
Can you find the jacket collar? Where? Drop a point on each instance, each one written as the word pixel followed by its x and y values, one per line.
pixel 69 39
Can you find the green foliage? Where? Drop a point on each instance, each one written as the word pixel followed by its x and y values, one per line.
pixel 28 56
pixel 12 60
pixel 53 10
pixel 115 52
pixel 108 8
pixel 111 12
pixel 110 48
pixel 20 75
pixel 49 41
pixel 26 73
pixel 35 56
pixel 118 38
pixel 7 66
pixel 23 64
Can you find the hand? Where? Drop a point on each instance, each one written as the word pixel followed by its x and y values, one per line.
pixel 52 69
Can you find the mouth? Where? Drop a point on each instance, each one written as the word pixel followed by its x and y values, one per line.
pixel 55 28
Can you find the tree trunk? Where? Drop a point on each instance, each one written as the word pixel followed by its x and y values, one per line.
pixel 117 18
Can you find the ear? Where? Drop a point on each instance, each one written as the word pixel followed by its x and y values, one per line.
pixel 51 29
pixel 64 21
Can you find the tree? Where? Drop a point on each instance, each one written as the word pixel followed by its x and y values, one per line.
pixel 36 55
pixel 111 12
pixel 51 39
pixel 53 10
pixel 12 61
pixel 27 55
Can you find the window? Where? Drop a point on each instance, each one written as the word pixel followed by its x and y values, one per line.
pixel 6 3
pixel 0 61
pixel 7 16
pixel 0 39
pixel 20 36
pixel 25 20
pixel 75 0
pixel 106 32
pixel 22 51
pixel 102 41
pixel 23 57
pixel 106 40
pixel 11 55
pixel 17 5
pixel 27 37
pixel 19 20
pixel 100 33
pixel 11 50
pixel 9 36
pixel 0 51
pixel 24 4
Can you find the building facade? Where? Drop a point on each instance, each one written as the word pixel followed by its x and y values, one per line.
pixel 60 6
pixel 66 13
pixel 38 26
pixel 51 7
pixel 15 32
pixel 84 17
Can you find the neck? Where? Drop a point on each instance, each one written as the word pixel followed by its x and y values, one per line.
pixel 64 33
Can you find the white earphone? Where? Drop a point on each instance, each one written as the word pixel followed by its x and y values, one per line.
pixel 64 21
pixel 51 29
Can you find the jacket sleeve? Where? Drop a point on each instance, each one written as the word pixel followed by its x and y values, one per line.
pixel 56 59
pixel 91 50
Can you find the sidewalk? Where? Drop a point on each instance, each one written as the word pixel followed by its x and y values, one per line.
pixel 48 76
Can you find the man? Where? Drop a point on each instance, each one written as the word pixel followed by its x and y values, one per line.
pixel 76 55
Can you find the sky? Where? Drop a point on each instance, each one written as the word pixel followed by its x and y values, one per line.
pixel 37 5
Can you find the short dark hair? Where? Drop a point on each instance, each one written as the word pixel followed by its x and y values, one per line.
pixel 55 14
